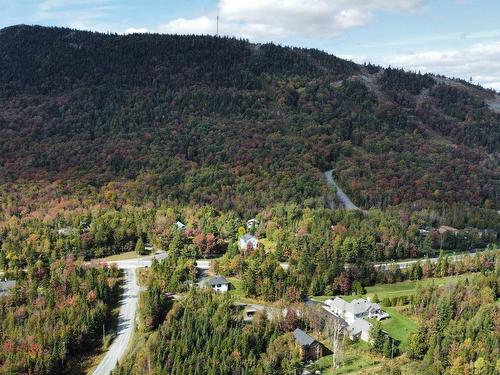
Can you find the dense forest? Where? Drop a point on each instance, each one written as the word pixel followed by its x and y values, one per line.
pixel 54 314
pixel 205 334
pixel 198 119
pixel 459 333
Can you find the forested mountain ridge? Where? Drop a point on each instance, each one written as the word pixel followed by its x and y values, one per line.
pixel 203 119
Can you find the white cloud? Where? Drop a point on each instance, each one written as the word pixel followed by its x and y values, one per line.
pixel 281 19
pixel 199 25
pixel 133 30
pixel 480 61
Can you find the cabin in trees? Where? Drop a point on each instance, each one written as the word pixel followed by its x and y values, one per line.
pixel 248 242
pixel 180 225
pixel 219 284
pixel 310 349
pixel 252 223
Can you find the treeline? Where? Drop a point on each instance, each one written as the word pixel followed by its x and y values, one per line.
pixel 54 314
pixel 458 333
pixel 318 243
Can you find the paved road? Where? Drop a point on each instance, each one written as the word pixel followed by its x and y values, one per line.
pixel 125 327
pixel 408 263
pixel 128 308
pixel 126 318
pixel 342 196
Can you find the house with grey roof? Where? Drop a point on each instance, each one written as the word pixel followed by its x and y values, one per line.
pixel 354 313
pixel 360 328
pixel 357 309
pixel 219 284
pixel 248 242
pixel 310 348
pixel 6 285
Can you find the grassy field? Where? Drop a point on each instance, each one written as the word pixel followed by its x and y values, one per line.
pixel 399 325
pixel 404 288
pixel 356 356
pixel 121 256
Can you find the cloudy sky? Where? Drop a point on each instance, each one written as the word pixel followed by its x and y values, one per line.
pixel 458 38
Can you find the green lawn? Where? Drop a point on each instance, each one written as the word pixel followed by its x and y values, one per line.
pixel 404 288
pixel 398 325
pixel 356 356
pixel 121 256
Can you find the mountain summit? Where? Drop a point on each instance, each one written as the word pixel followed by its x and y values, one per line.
pixel 234 124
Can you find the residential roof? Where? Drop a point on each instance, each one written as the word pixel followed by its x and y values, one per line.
pixel 5 285
pixel 217 280
pixel 248 237
pixel 303 338
pixel 359 325
pixel 357 306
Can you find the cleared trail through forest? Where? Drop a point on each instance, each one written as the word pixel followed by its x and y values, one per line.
pixel 342 196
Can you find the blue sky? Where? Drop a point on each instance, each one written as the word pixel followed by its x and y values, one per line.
pixel 459 38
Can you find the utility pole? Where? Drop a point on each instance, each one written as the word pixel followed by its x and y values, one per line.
pixel 392 349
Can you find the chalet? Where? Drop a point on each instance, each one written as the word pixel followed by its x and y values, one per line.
pixel 219 284
pixel 359 329
pixel 6 285
pixel 248 242
pixel 357 309
pixel 252 223
pixel 310 349
pixel 354 313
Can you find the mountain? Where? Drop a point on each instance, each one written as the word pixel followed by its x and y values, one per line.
pixel 144 117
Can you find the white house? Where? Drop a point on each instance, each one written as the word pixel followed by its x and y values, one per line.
pixel 248 240
pixel 219 284
pixel 359 329
pixel 357 309
pixel 252 223
pixel 354 313
pixel 180 225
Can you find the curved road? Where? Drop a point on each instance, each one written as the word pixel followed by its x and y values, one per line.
pixel 342 196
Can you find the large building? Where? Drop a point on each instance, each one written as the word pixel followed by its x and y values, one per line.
pixel 354 313
pixel 357 309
